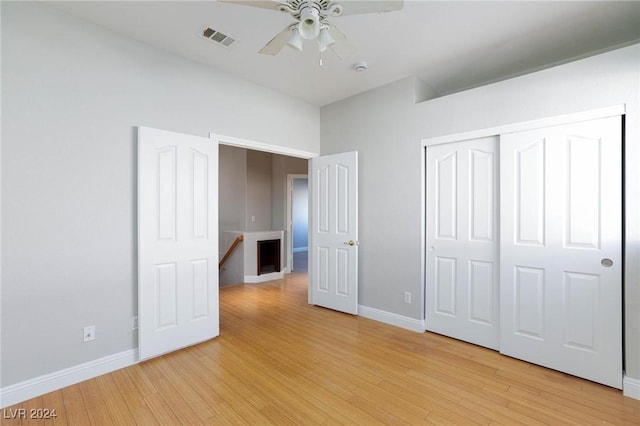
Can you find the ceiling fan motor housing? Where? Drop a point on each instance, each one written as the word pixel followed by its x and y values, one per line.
pixel 309 26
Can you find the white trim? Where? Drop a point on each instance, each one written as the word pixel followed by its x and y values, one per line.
pixel 631 387
pixel 253 279
pixel 37 386
pixel 528 125
pixel 390 318
pixel 423 233
pixel 261 146
pixel 300 249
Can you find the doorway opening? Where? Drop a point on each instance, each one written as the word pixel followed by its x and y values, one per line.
pixel 255 198
pixel 298 223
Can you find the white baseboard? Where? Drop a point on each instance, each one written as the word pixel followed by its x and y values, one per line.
pixel 253 279
pixel 631 387
pixel 300 249
pixel 392 319
pixel 37 386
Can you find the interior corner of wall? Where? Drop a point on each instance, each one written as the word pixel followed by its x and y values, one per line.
pixel 422 91
pixel 631 387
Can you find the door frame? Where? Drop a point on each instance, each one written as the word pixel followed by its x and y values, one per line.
pixel 261 146
pixel 273 149
pixel 289 219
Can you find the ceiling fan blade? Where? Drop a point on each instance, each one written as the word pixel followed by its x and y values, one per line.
pixel 342 48
pixel 278 42
pixel 264 4
pixel 355 7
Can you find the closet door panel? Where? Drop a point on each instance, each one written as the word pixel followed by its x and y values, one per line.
pixel 462 241
pixel 561 248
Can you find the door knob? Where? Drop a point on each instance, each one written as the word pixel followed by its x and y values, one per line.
pixel 350 243
pixel 607 263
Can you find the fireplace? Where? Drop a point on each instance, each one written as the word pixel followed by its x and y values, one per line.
pixel 268 256
pixel 262 256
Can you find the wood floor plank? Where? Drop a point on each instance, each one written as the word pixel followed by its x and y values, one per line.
pixel 53 409
pixel 30 412
pixel 131 395
pixel 75 409
pixel 93 396
pixel 280 361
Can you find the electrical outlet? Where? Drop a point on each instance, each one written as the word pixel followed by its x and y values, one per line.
pixel 134 323
pixel 89 333
pixel 407 297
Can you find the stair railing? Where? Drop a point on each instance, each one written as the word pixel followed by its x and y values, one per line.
pixel 229 252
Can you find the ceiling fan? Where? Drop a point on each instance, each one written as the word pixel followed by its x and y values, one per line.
pixel 312 22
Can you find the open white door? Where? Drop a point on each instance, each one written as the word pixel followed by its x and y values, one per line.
pixel 561 251
pixel 333 279
pixel 177 241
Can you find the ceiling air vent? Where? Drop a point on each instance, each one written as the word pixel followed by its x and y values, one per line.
pixel 218 37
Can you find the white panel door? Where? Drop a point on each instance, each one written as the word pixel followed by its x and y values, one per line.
pixel 177 241
pixel 334 232
pixel 462 241
pixel 561 262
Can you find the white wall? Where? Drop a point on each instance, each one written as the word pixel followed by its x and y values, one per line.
pixel 387 128
pixel 72 96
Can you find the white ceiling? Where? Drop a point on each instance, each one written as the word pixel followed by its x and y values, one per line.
pixel 449 45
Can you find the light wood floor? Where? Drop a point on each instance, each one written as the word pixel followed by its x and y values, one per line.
pixel 280 361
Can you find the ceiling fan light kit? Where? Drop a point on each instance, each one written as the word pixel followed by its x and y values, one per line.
pixel 309 26
pixel 312 22
pixel 325 40
pixel 296 41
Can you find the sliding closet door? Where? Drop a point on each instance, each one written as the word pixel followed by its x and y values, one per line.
pixel 462 241
pixel 561 261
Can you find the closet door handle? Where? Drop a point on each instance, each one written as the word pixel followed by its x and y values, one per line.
pixel 607 263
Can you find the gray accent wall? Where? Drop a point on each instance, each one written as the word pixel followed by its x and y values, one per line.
pixel 72 97
pixel 386 127
pixel 258 191
pixel 232 190
pixel 232 209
